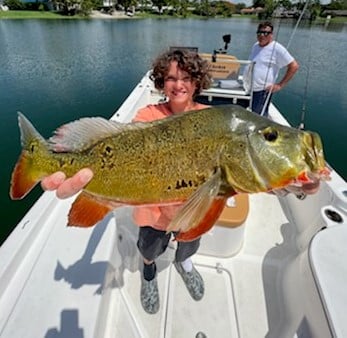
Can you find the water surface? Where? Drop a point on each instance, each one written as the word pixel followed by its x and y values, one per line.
pixel 55 71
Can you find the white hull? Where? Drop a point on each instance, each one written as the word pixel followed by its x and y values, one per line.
pixel 278 275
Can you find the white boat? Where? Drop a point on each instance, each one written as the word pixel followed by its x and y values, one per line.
pixel 281 271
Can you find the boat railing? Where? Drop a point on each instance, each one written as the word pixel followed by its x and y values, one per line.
pixel 232 78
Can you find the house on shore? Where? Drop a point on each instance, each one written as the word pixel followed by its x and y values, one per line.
pixel 252 10
pixel 334 13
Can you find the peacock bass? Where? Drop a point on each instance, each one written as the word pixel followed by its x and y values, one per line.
pixel 200 158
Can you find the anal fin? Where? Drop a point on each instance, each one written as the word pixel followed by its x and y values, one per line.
pixel 86 211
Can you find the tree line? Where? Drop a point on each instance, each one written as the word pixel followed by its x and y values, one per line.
pixel 179 8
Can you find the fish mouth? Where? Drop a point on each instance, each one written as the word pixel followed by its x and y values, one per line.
pixel 314 158
pixel 316 169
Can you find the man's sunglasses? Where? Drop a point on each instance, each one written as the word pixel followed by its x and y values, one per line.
pixel 265 33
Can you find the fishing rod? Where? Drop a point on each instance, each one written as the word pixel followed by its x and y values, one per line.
pixel 303 109
pixel 268 96
pixel 304 102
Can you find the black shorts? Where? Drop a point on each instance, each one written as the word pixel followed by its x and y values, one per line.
pixel 152 243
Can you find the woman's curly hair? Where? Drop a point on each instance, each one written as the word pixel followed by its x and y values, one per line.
pixel 187 61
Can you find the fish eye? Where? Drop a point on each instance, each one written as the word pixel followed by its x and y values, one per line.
pixel 270 134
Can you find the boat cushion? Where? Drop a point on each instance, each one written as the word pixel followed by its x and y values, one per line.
pixel 235 212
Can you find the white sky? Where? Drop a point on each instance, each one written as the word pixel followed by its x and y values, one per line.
pixel 250 2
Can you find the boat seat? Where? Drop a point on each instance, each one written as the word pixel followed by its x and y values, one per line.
pixel 235 213
pixel 223 67
pixel 225 239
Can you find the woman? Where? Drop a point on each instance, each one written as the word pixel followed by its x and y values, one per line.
pixel 180 75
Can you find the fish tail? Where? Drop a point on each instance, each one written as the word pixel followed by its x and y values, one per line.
pixel 28 171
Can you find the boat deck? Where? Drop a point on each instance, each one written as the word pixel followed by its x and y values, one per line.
pixel 232 296
pixel 65 282
pixel 73 286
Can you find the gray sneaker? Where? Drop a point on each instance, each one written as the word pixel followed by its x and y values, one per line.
pixel 192 280
pixel 150 295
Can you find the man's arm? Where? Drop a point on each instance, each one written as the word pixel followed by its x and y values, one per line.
pixel 292 68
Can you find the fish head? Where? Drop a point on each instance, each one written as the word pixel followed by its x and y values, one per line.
pixel 282 156
pixel 261 155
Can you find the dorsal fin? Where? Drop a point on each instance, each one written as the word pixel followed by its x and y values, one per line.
pixel 82 134
pixel 28 132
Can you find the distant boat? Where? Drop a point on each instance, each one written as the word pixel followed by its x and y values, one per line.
pixel 281 271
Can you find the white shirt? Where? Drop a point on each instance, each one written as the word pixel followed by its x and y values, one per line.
pixel 268 62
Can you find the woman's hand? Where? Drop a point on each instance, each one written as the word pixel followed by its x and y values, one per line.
pixel 67 187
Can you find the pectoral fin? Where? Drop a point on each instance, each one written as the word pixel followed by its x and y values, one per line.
pixel 206 223
pixel 200 211
pixel 86 211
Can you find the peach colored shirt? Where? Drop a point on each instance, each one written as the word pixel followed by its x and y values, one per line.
pixel 155 216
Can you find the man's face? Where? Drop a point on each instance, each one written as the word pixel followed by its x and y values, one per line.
pixel 264 36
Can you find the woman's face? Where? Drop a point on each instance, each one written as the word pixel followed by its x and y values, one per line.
pixel 178 85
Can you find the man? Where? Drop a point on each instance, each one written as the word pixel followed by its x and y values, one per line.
pixel 269 57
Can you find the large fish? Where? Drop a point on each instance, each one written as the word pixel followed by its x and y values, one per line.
pixel 200 158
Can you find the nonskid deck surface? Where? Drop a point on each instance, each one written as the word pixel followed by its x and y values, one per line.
pixel 179 314
pixel 236 300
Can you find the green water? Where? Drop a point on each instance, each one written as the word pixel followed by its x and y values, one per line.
pixel 56 71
